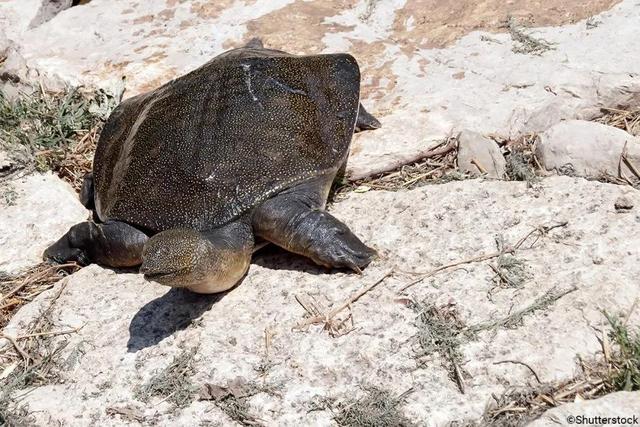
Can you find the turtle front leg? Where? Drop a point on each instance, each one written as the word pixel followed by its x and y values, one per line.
pixel 296 222
pixel 113 243
pixel 203 262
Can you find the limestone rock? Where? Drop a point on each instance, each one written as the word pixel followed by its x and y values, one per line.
pixel 582 148
pixel 623 404
pixel 49 9
pixel 478 155
pixel 424 81
pixel 15 16
pixel 34 212
pixel 132 330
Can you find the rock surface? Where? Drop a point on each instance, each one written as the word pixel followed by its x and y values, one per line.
pixel 479 155
pixel 425 76
pixel 34 212
pixel 15 16
pixel 132 329
pixel 622 404
pixel 582 148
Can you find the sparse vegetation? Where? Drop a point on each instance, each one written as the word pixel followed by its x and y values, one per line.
pixel 33 359
pixel 233 399
pixel 625 119
pixel 520 167
pixel 629 121
pixel 173 383
pixel 625 363
pixel 510 272
pixel 238 409
pixel 54 131
pixel 16 291
pixel 592 23
pixel 438 166
pixel 378 407
pixel 440 330
pixel 515 318
pixel 616 369
pixel 9 195
pixel 526 43
pixel 521 163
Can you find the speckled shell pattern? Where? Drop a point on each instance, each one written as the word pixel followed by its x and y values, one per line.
pixel 210 146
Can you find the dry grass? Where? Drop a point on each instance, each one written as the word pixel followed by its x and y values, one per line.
pixel 332 323
pixel 627 120
pixel 510 271
pixel 432 169
pixel 377 407
pixel 173 383
pixel 441 331
pixel 16 291
pixel 527 241
pixel 29 360
pixel 616 368
pixel 516 318
pixel 521 165
pixel 233 399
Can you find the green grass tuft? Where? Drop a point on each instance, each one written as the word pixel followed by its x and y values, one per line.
pixel 626 361
pixel 520 167
pixel 39 129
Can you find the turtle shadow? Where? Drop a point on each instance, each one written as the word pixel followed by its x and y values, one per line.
pixel 165 315
pixel 273 257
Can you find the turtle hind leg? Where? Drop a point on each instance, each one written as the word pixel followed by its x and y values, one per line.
pixel 296 221
pixel 203 262
pixel 366 121
pixel 255 43
pixel 113 243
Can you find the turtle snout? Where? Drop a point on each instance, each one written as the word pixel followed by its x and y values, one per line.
pixel 168 257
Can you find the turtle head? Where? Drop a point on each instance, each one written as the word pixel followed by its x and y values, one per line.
pixel 184 258
pixel 171 257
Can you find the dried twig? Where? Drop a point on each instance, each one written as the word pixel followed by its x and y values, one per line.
pixel 629 164
pixel 35 277
pixel 327 319
pixel 507 250
pixel 50 333
pixel 523 364
pixel 479 166
pixel 451 145
pixel 13 342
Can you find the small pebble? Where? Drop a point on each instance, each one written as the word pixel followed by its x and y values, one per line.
pixel 623 204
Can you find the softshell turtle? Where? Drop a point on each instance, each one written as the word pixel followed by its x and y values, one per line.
pixel 187 175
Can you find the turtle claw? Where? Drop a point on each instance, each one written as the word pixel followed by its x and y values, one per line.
pixel 345 250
